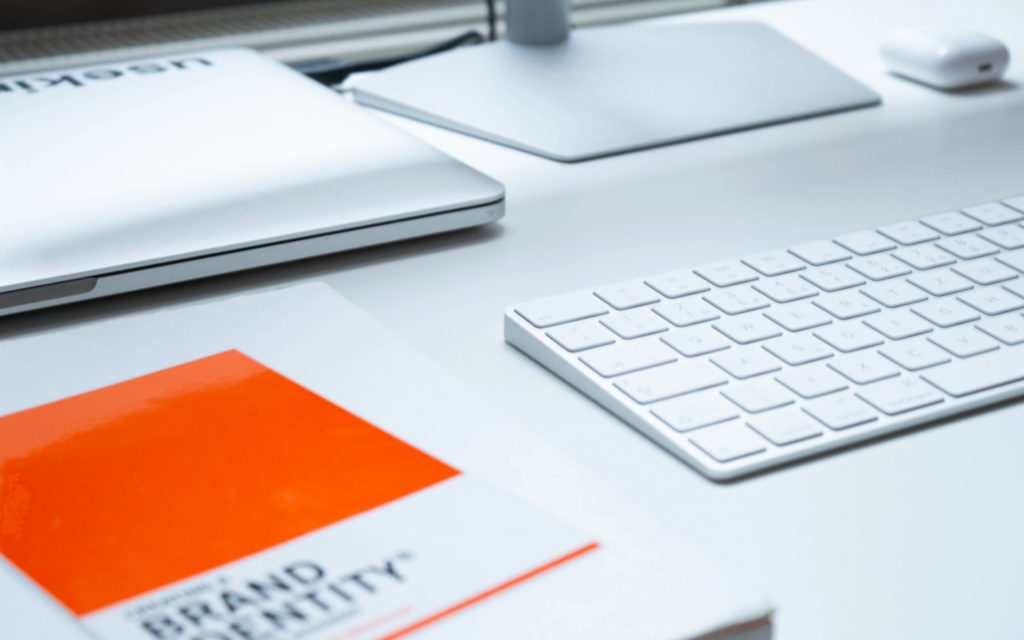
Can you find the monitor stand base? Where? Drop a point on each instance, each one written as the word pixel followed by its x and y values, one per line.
pixel 609 90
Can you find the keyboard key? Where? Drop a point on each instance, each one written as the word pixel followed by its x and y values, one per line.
pixel 894 294
pixel 798 316
pixel 992 300
pixel 747 329
pixel 695 411
pixel 833 278
pixel 940 283
pixel 945 313
pixel 659 383
pixel 909 232
pixel 786 289
pixel 677 284
pixel 878 267
pixel 951 223
pixel 760 394
pixel 628 357
pixel 849 337
pixel 987 371
pixel 627 295
pixel 736 300
pixel 924 256
pixel 785 427
pixel 864 367
pixel 634 324
pixel 968 247
pixel 847 305
pixel 1016 203
pixel 893 397
pixel 724 274
pixel 964 341
pixel 897 325
pixel 774 263
pixel 1017 287
pixel 914 354
pixel 820 252
pixel 1008 237
pixel 841 412
pixel 811 382
pixel 696 341
pixel 561 309
pixel 728 442
pixel 579 336
pixel 746 363
pixel 993 213
pixel 985 271
pixel 1007 329
pixel 683 313
pixel 1014 259
pixel 865 242
pixel 797 350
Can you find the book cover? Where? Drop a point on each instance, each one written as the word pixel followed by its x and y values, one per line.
pixel 280 465
pixel 220 500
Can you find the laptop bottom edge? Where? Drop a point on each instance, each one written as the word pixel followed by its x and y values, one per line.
pixel 100 286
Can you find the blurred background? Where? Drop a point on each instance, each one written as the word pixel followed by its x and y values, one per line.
pixel 44 34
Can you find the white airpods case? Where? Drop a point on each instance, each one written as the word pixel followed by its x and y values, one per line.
pixel 945 56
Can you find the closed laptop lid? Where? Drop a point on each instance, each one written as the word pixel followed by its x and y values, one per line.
pixel 119 166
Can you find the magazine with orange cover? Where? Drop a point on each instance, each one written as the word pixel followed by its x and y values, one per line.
pixel 279 465
pixel 219 500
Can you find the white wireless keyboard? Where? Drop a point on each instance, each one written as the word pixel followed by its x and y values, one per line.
pixel 742 365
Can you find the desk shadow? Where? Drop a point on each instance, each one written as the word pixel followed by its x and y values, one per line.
pixel 243 281
pixel 999 86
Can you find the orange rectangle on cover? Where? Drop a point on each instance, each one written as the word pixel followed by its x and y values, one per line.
pixel 118 491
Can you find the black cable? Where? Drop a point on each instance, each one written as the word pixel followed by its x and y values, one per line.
pixel 470 37
pixel 492 21
pixel 332 72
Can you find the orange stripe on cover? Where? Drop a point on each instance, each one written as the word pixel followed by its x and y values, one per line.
pixel 490 592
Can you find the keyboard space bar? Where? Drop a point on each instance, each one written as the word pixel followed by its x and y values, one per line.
pixel 982 372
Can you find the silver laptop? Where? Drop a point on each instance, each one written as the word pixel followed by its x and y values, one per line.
pixel 132 175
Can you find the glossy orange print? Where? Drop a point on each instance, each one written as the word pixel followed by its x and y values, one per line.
pixel 112 493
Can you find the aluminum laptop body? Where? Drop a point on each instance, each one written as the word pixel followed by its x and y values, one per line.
pixel 133 175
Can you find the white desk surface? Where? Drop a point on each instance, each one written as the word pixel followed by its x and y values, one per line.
pixel 914 536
